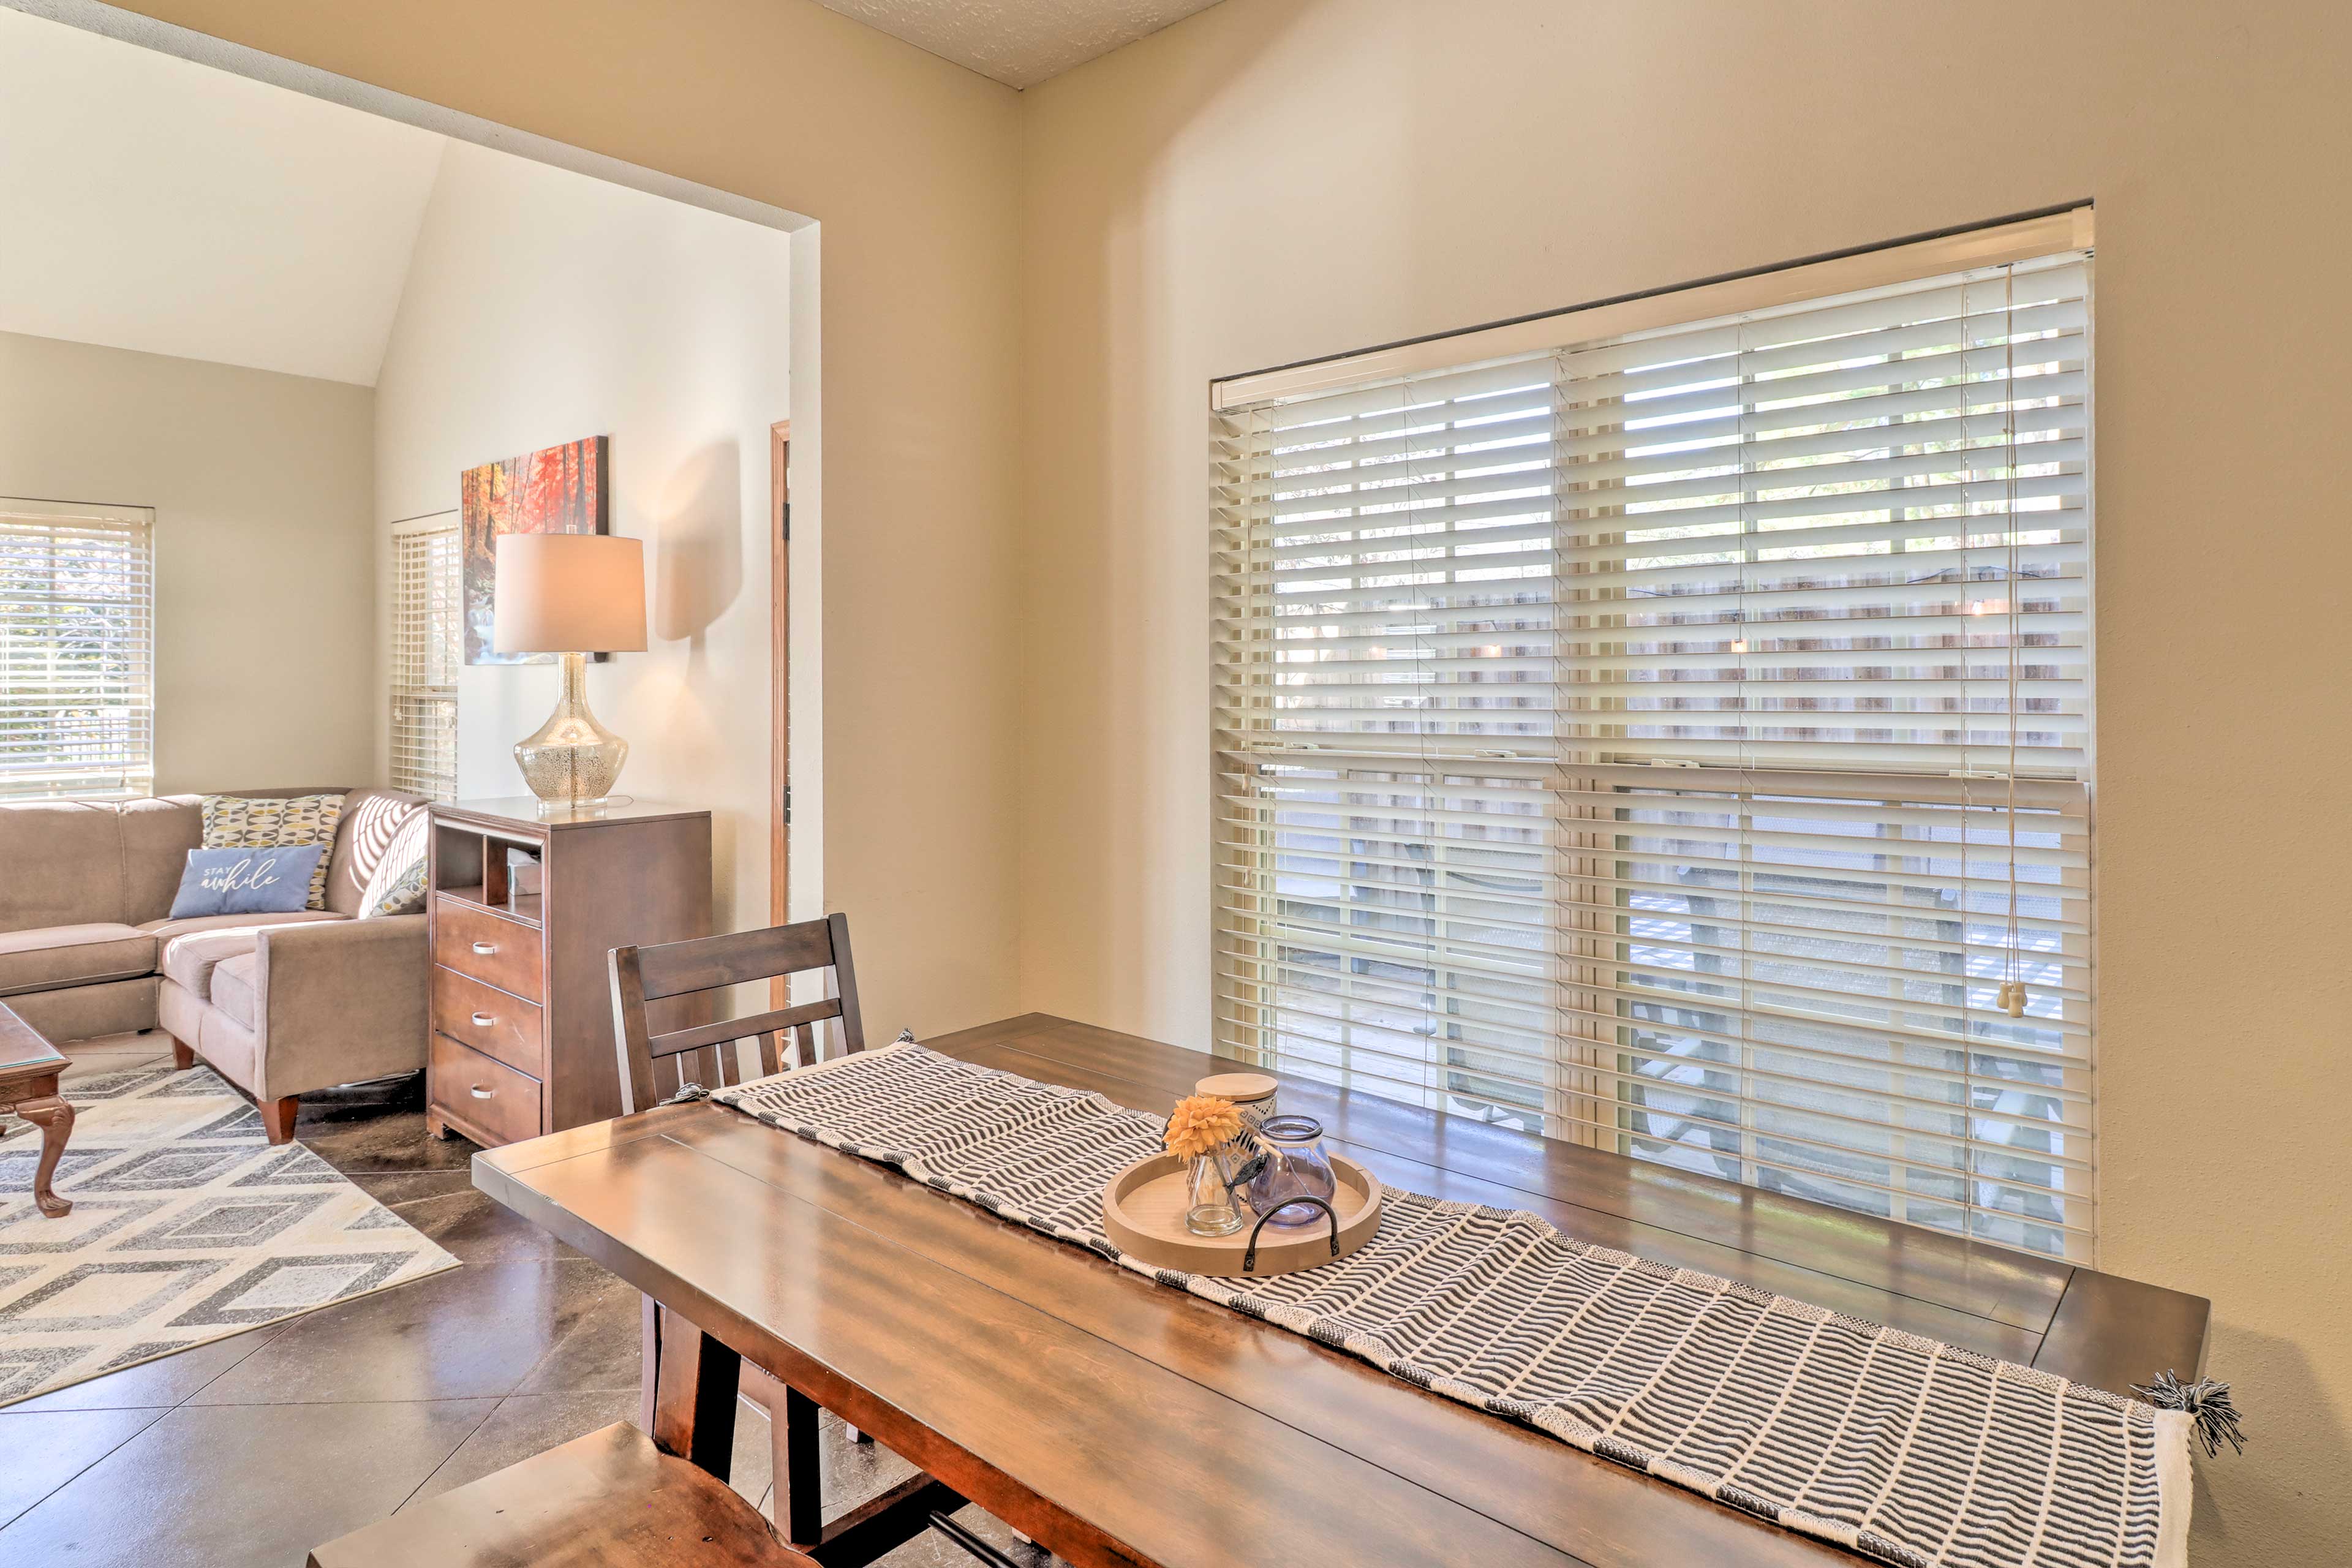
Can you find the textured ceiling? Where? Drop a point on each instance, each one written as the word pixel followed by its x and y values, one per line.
pixel 1018 42
pixel 148 203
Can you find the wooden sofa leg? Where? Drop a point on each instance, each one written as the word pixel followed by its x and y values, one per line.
pixel 277 1116
pixel 183 1057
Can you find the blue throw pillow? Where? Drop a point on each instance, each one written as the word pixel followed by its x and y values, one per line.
pixel 267 881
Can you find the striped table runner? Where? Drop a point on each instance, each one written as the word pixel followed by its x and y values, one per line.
pixel 1902 1448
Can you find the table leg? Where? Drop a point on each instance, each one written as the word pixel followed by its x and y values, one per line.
pixel 54 1118
pixel 802 1483
pixel 695 1381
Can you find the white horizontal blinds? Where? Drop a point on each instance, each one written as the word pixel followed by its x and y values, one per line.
pixel 1841 540
pixel 1385 566
pixel 1714 835
pixel 77 650
pixel 1789 540
pixel 425 657
pixel 1795 980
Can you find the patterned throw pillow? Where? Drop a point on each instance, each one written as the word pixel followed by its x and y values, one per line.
pixel 236 822
pixel 396 886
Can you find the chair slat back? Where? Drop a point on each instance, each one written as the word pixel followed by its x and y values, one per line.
pixel 653 1066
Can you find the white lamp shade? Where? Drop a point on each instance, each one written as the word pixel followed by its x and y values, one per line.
pixel 569 593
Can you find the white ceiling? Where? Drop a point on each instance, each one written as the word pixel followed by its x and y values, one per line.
pixel 1018 42
pixel 148 203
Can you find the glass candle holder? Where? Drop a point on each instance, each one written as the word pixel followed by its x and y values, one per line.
pixel 1209 1208
pixel 1290 1163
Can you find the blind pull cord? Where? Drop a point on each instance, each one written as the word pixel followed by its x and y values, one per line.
pixel 2013 996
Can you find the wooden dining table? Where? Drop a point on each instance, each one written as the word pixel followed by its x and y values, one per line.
pixel 1115 1420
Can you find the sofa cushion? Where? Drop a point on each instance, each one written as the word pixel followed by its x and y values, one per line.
pixel 233 987
pixel 167 929
pixel 157 834
pixel 372 820
pixel 265 822
pixel 84 954
pixel 61 864
pixel 190 960
pixel 191 947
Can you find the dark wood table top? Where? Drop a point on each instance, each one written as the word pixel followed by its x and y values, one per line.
pixel 1120 1421
pixel 23 1051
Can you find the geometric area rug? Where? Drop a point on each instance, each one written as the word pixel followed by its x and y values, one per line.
pixel 187 1227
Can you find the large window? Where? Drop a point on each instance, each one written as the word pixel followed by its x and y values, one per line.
pixel 425 657
pixel 1678 740
pixel 77 650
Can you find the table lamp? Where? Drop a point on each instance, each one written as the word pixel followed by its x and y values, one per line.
pixel 574 594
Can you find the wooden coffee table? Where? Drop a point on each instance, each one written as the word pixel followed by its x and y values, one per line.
pixel 29 1065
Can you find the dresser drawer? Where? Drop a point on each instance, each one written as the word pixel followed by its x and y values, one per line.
pixel 488 1019
pixel 500 952
pixel 483 1091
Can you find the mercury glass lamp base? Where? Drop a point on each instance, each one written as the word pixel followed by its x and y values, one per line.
pixel 572 760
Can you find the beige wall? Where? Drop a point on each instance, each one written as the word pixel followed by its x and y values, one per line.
pixel 1276 179
pixel 665 327
pixel 910 165
pixel 265 612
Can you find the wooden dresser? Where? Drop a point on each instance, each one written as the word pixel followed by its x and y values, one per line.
pixel 523 911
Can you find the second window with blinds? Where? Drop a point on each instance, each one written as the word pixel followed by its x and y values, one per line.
pixel 426 652
pixel 1679 743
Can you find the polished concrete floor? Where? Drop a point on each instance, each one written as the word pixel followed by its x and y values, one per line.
pixel 251 1450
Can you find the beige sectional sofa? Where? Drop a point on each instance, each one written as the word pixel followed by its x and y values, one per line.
pixel 279 1005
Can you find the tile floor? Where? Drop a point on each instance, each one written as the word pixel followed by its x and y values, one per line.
pixel 253 1449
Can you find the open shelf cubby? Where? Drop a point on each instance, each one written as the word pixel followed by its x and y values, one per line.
pixel 478 867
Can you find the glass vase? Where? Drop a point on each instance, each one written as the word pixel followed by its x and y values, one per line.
pixel 1209 1209
pixel 1290 1163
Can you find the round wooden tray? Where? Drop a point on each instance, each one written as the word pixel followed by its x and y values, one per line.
pixel 1143 1214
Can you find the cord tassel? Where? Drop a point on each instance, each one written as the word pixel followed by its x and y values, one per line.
pixel 2210 1410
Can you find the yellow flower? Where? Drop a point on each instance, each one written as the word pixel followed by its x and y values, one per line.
pixel 1199 1123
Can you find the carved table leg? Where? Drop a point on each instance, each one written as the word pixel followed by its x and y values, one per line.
pixel 54 1118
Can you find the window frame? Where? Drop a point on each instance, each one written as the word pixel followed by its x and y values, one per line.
pixel 402 694
pixel 136 693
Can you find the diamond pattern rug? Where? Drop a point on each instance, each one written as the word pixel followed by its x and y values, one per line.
pixel 187 1227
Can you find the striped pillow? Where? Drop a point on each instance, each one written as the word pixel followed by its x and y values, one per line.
pixel 240 822
pixel 396 886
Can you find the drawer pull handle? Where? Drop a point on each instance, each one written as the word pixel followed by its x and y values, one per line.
pixel 486 947
pixel 483 1020
pixel 481 1093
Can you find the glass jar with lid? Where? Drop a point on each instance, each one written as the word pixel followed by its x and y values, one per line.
pixel 1252 1093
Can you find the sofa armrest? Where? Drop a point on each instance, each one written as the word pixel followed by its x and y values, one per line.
pixel 340 1001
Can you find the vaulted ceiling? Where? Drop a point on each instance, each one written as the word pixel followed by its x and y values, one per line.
pixel 157 205
pixel 1018 42
pixel 148 203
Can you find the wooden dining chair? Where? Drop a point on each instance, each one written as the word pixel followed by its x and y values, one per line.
pixel 610 1499
pixel 658 1066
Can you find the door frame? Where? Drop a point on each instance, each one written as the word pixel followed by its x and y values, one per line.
pixel 779 716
